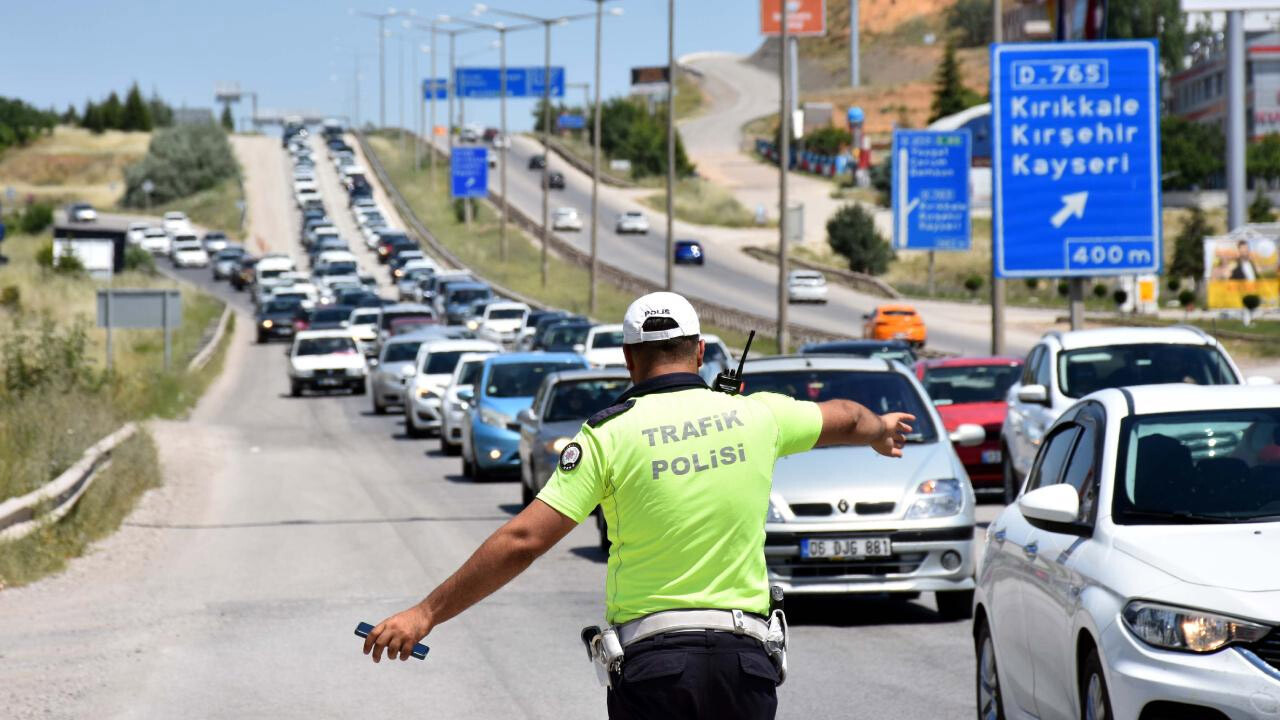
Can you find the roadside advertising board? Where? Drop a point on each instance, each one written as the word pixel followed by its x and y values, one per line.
pixel 804 17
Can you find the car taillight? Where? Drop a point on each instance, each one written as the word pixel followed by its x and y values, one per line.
pixel 299 324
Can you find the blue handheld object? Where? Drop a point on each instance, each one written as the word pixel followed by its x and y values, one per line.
pixel 419 650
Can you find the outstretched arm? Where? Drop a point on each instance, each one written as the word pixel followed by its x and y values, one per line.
pixel 845 422
pixel 507 552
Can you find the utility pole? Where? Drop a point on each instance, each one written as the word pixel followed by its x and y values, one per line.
pixel 997 284
pixel 784 153
pixel 400 47
pixel 855 72
pixel 382 61
pixel 671 142
pixel 595 165
pixel 1235 120
pixel 431 132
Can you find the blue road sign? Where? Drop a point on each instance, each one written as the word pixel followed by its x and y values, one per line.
pixel 1076 159
pixel 486 82
pixel 931 189
pixel 568 121
pixel 469 169
pixel 441 85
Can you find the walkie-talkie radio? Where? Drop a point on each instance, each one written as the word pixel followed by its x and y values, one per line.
pixel 728 381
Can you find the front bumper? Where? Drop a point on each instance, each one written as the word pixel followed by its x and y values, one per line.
pixel 807 295
pixel 488 441
pixel 915 564
pixel 1233 681
pixel 388 389
pixel 451 427
pixel 426 412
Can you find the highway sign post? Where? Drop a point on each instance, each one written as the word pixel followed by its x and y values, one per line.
pixel 469 172
pixel 930 195
pixel 1076 161
pixel 804 17
pixel 522 82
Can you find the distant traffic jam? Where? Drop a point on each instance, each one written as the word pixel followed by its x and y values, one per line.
pixel 1119 581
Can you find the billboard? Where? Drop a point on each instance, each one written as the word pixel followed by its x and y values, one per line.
pixel 651 75
pixel 1242 263
pixel 804 17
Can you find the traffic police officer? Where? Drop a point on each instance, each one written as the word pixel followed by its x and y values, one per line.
pixel 682 475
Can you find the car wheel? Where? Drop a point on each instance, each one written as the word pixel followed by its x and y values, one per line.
pixel 378 408
pixel 447 447
pixel 987 680
pixel 1095 701
pixel 409 428
pixel 295 389
pixel 955 604
pixel 1010 476
pixel 357 389
pixel 468 469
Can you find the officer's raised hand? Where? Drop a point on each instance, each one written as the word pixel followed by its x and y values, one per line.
pixel 845 422
pixel 897 426
pixel 398 634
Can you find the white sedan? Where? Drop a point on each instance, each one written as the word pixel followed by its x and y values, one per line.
pixel 566 218
pixel 632 221
pixel 1135 576
pixel 186 251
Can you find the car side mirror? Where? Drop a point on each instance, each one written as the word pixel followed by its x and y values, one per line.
pixel 968 435
pixel 466 395
pixel 579 348
pixel 866 316
pixel 1035 394
pixel 527 417
pixel 1051 504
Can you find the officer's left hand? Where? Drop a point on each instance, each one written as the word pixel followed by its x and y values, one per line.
pixel 398 634
pixel 897 426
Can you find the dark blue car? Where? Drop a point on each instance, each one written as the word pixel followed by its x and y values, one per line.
pixel 688 252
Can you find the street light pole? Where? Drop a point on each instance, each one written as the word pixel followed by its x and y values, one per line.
pixel 595 166
pixel 431 132
pixel 997 284
pixel 784 152
pixel 671 141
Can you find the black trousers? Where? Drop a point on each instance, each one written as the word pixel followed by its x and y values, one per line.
pixel 692 675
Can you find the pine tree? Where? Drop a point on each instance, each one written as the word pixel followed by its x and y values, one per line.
pixel 1188 247
pixel 228 122
pixel 136 115
pixel 112 112
pixel 161 113
pixel 71 116
pixel 950 96
pixel 92 119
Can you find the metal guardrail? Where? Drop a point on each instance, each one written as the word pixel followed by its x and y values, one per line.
pixel 722 316
pixel 21 516
pixel 203 357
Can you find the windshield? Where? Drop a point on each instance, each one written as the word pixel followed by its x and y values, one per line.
pixel 1208 466
pixel 364 318
pixel 401 352
pixel 340 268
pixel 563 338
pixel 330 315
pixel 470 372
pixel 266 274
pixel 607 339
pixel 442 362
pixel 467 296
pixel 275 307
pixel 1081 372
pixel 714 354
pixel 881 392
pixel 326 346
pixel 507 314
pixel 577 400
pixel 522 379
pixel 976 384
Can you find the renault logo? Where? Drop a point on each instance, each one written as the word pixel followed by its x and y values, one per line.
pixel 843 505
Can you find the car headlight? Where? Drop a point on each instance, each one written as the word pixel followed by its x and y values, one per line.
pixel 355 372
pixel 493 417
pixel 407 370
pixel 303 373
pixel 472 325
pixel 775 515
pixel 557 445
pixel 936 498
pixel 1175 628
pixel 267 324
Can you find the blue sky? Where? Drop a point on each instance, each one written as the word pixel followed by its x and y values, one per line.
pixel 301 55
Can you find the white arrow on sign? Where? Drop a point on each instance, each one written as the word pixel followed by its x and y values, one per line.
pixel 1072 204
pixel 471 181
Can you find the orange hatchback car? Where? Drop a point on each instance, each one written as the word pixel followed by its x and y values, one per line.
pixel 895 322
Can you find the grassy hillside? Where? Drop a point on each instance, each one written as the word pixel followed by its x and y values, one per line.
pixel 73 164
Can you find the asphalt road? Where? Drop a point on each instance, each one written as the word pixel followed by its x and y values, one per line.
pixel 233 590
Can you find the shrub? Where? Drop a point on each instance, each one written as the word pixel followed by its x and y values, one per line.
pixel 1032 283
pixel 46 357
pixel 827 140
pixel 974 283
pixel 67 263
pixel 852 233
pixel 35 218
pixel 135 258
pixel 1260 208
pixel 1174 284
pixel 1064 288
pixel 11 297
pixel 181 161
pixel 1187 299
pixel 1100 291
pixel 1251 302
pixel 1119 297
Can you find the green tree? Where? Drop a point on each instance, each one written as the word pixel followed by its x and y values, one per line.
pixel 950 96
pixel 851 233
pixel 969 22
pixel 1262 159
pixel 1188 247
pixel 71 116
pixel 1260 208
pixel 827 140
pixel 180 161
pixel 228 122
pixel 1162 19
pixel 92 119
pixel 136 115
pixel 112 112
pixel 1191 154
pixel 161 113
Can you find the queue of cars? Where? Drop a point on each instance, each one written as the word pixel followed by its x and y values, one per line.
pixel 177 239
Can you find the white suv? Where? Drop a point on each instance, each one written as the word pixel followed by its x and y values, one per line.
pixel 1136 576
pixel 1065 366
pixel 433 370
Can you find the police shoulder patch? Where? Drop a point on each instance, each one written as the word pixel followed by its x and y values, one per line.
pixel 609 413
pixel 570 456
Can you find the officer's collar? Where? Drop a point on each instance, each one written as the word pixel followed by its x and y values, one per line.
pixel 670 382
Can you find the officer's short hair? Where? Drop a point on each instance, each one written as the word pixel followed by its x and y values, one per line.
pixel 673 349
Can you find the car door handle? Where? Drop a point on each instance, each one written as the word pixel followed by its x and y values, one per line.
pixel 1031 549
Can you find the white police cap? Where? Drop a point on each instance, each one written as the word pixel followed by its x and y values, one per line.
pixel 659 304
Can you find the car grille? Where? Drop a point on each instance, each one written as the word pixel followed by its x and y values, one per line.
pixel 826 509
pixel 329 373
pixel 896 564
pixel 951 534
pixel 1268 648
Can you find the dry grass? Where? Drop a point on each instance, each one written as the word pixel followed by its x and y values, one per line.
pixel 73 163
pixel 705 203
pixel 213 208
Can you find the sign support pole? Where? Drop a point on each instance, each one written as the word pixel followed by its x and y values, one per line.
pixel 1235 120
pixel 546 144
pixel 502 156
pixel 784 153
pixel 1076 295
pixel 111 276
pixel 431 132
pixel 929 281
pixel 164 324
pixel 997 284
pixel 671 141
pixel 855 72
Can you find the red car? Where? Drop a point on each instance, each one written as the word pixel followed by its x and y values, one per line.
pixel 972 390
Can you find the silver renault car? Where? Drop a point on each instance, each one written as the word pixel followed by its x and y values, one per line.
pixel 848 520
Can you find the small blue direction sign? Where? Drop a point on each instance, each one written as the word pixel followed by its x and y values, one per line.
pixel 486 82
pixel 931 189
pixel 469 169
pixel 441 86
pixel 1076 159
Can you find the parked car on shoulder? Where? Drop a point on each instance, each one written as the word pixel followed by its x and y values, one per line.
pixel 325 360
